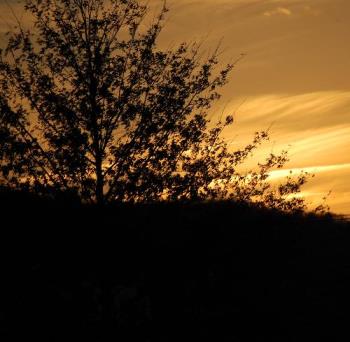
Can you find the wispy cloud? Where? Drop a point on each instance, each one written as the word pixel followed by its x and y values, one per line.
pixel 314 128
pixel 296 112
pixel 328 187
pixel 278 11
pixel 277 174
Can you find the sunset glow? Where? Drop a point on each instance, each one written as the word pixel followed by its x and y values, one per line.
pixel 294 78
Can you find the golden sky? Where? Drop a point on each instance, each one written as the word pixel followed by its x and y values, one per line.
pixel 295 76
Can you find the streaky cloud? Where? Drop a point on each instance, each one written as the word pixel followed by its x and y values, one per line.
pixel 278 11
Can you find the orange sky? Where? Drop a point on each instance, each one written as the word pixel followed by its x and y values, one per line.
pixel 295 76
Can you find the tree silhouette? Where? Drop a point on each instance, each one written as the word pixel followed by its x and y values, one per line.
pixel 90 104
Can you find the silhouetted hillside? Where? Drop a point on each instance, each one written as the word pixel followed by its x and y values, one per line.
pixel 170 272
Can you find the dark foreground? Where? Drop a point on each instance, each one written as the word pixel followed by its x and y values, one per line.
pixel 215 272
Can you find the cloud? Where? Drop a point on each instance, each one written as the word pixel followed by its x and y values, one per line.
pixel 292 113
pixel 314 127
pixel 277 174
pixel 278 11
pixel 328 183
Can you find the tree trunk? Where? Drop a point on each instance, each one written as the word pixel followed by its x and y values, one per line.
pixel 99 183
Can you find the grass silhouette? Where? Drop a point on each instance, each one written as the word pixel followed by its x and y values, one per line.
pixel 217 271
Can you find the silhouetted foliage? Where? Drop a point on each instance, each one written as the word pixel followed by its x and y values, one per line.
pixel 218 271
pixel 90 104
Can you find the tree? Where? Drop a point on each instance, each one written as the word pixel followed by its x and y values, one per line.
pixel 89 104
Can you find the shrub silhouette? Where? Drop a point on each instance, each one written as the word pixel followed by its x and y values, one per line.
pixel 89 104
pixel 170 271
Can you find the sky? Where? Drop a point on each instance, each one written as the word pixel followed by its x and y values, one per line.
pixel 294 79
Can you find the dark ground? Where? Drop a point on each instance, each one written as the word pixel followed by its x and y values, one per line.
pixel 215 271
